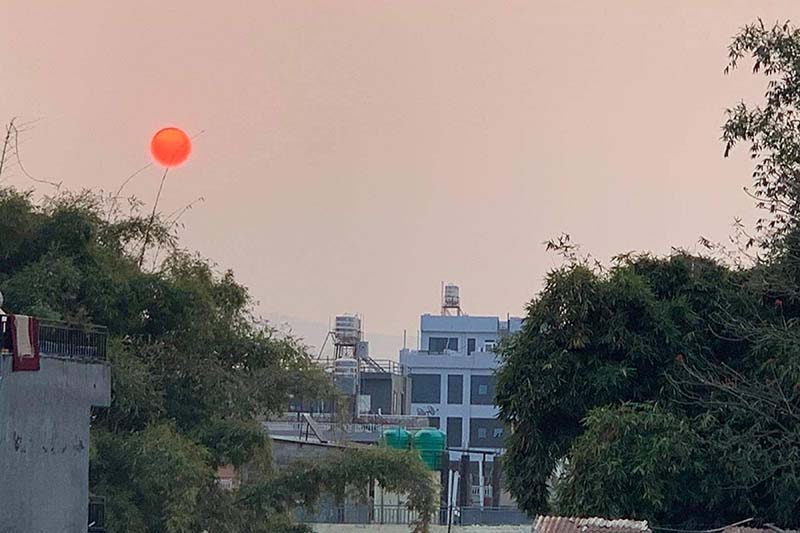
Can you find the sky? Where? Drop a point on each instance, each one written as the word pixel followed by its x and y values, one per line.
pixel 355 154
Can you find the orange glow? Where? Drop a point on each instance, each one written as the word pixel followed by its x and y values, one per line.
pixel 170 147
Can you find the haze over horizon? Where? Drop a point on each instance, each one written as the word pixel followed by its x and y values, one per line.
pixel 356 154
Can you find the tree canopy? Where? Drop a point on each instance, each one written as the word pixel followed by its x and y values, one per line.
pixel 668 388
pixel 193 369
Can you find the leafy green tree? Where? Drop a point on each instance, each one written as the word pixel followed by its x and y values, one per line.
pixel 352 470
pixel 636 461
pixel 193 370
pixel 592 340
pixel 669 389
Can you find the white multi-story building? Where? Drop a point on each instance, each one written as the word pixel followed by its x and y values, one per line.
pixel 453 381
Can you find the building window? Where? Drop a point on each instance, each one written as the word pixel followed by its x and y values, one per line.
pixel 481 390
pixel 470 346
pixel 489 346
pixel 486 433
pixel 453 432
pixel 455 389
pixel 441 344
pixel 426 388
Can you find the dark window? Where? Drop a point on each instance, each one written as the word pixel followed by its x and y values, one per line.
pixel 426 388
pixel 470 346
pixel 440 344
pixel 454 432
pixel 455 389
pixel 481 390
pixel 486 433
pixel 433 421
pixel 437 344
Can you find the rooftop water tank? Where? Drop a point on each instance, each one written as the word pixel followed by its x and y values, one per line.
pixel 397 438
pixel 430 443
pixel 347 329
pixel 451 297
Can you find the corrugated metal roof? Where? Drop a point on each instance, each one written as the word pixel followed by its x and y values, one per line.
pixel 743 529
pixel 562 524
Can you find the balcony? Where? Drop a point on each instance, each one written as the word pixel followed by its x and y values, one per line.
pixel 59 339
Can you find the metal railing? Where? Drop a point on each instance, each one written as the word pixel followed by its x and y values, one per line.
pixel 97 514
pixel 78 342
pixel 381 366
pixel 60 339
pixel 400 514
pixel 405 421
pixel 357 514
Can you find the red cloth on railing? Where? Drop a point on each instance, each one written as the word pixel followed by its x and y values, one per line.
pixel 24 342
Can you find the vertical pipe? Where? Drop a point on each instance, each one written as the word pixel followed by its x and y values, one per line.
pixel 449 494
pixel 480 478
pixel 456 479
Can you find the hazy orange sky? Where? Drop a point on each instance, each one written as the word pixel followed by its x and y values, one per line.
pixel 356 154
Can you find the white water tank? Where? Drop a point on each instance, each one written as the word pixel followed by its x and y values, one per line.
pixel 347 329
pixel 451 298
pixel 345 375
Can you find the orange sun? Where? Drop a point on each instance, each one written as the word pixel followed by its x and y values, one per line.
pixel 170 147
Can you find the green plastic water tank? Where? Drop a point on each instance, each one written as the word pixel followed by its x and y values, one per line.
pixel 397 438
pixel 429 443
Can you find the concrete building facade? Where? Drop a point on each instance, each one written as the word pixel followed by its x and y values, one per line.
pixel 453 381
pixel 44 439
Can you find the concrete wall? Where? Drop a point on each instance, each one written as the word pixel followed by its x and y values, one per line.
pixel 44 443
pixel 388 392
pixel 379 388
pixel 375 528
pixel 286 451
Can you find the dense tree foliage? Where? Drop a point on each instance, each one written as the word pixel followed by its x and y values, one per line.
pixel 192 369
pixel 669 388
pixel 395 471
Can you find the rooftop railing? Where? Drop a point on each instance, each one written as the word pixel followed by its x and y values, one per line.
pixel 400 514
pixel 381 366
pixel 59 339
